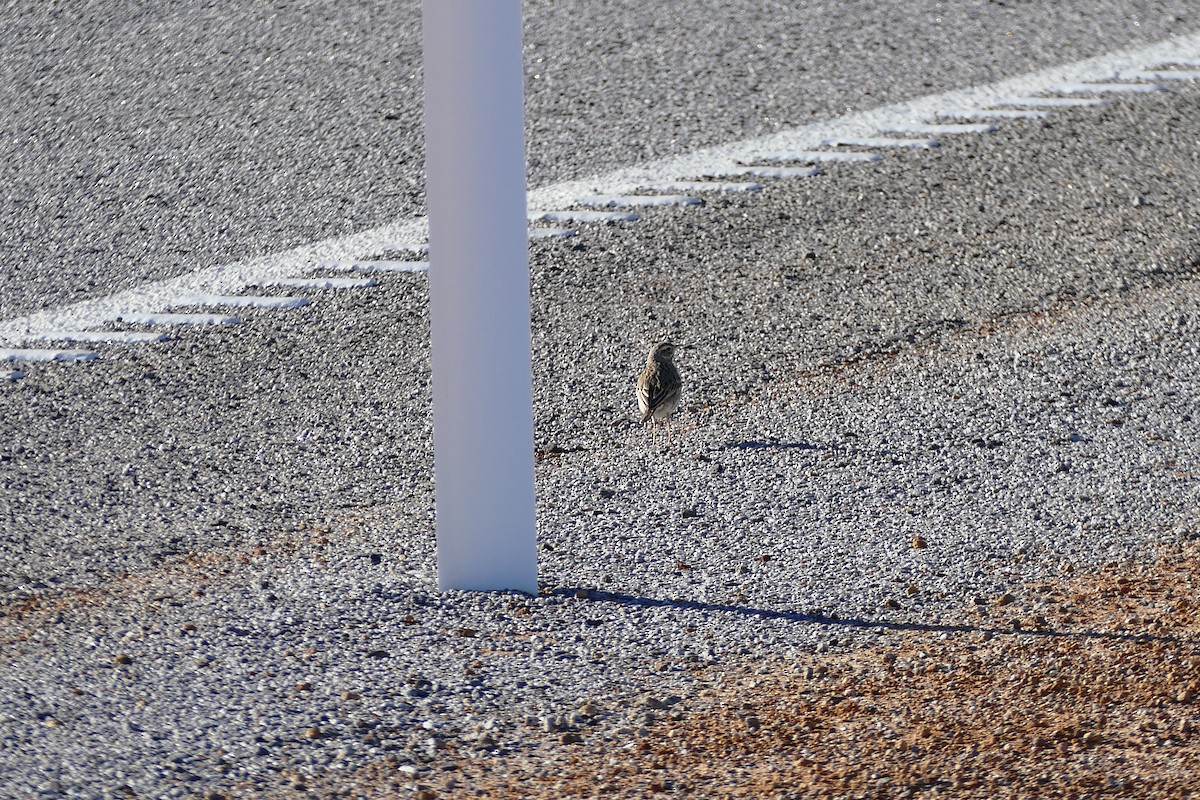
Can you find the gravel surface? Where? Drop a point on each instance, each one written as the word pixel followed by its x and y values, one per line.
pixel 145 141
pixel 1078 686
pixel 908 386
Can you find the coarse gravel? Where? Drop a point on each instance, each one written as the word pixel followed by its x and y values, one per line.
pixel 956 371
pixel 1082 683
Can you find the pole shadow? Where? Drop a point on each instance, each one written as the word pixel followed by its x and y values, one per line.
pixel 757 444
pixel 858 623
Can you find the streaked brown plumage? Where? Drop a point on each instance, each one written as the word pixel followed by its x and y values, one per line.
pixel 659 386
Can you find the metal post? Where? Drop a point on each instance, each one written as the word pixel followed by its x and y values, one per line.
pixel 479 295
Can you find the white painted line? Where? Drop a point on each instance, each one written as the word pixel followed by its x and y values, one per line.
pixel 638 200
pixel 1102 88
pixel 111 337
pixel 880 141
pixel 241 301
pixel 378 266
pixel 991 113
pixel 1050 102
pixel 1088 76
pixel 812 156
pixel 23 354
pixel 317 283
pixel 583 216
pixel 936 128
pixel 734 170
pixel 146 302
pixel 1159 75
pixel 152 318
pixel 701 186
pixel 552 233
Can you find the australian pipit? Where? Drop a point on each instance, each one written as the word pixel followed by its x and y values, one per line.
pixel 659 386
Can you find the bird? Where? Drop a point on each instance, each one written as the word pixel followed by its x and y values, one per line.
pixel 659 386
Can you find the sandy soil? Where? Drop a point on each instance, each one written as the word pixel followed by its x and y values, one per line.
pixel 1087 686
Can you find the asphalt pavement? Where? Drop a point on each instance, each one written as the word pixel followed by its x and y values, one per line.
pixel 146 141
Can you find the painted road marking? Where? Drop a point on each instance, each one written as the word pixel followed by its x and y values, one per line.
pixel 1091 75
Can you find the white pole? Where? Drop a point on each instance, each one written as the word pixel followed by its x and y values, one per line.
pixel 479 295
